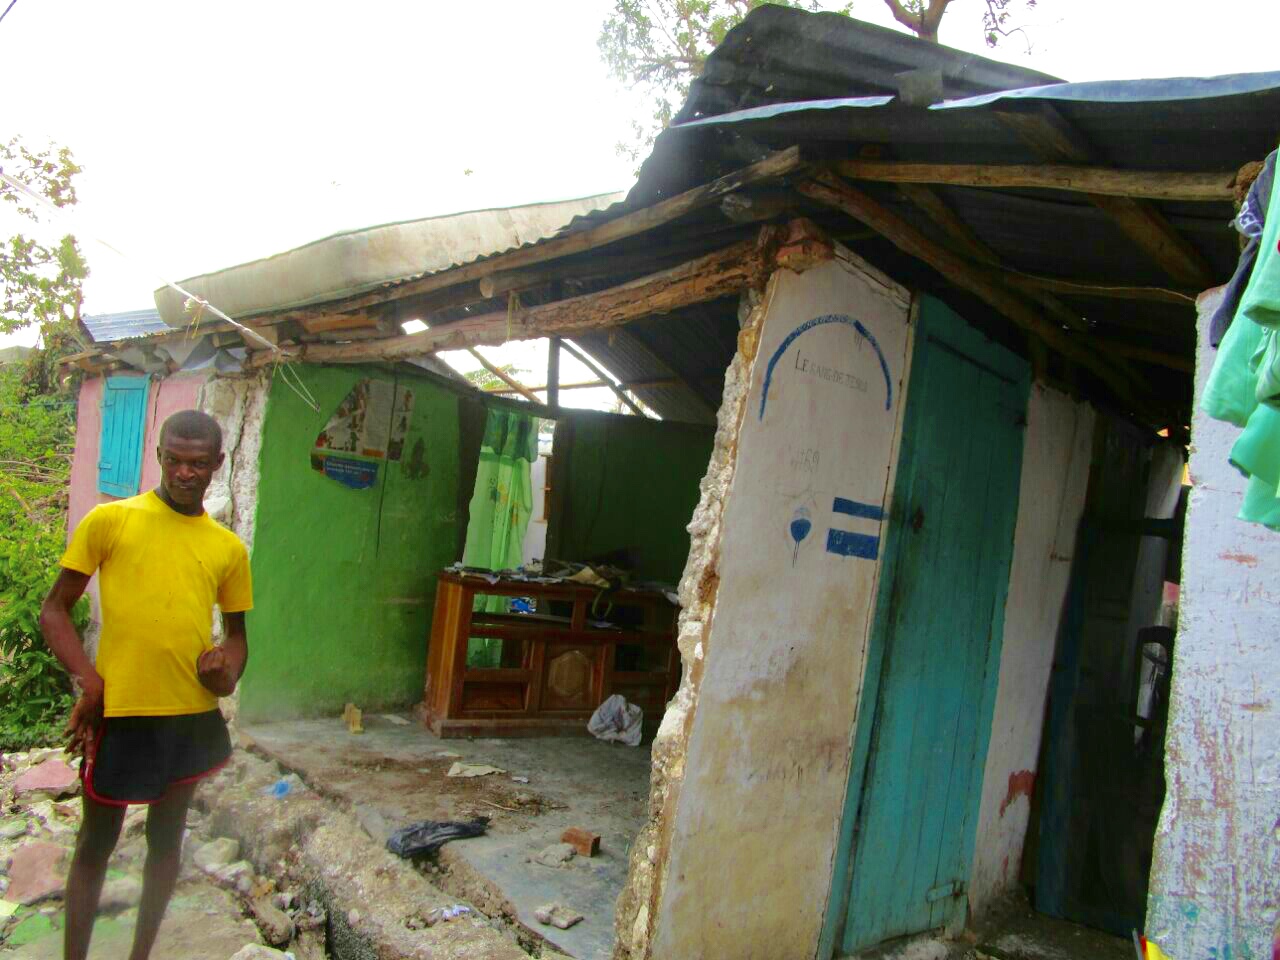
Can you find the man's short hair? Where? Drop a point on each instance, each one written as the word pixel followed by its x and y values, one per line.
pixel 192 425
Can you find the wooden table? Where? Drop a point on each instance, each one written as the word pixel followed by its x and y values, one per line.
pixel 557 665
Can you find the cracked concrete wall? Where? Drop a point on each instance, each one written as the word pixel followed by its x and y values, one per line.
pixel 239 405
pixel 743 765
pixel 1215 879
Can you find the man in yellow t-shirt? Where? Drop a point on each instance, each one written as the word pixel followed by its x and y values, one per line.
pixel 147 719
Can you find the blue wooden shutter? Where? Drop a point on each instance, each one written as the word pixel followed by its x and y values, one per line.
pixel 124 420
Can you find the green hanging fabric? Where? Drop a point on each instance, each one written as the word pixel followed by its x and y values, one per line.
pixel 500 509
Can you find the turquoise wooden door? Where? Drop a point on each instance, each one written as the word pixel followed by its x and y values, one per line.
pixel 923 731
pixel 124 429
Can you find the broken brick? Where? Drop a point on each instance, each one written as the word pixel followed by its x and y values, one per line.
pixel 584 843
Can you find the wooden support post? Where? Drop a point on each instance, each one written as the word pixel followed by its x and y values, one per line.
pixel 587 362
pixel 502 375
pixel 830 190
pixel 1054 138
pixel 553 372
pixel 1096 181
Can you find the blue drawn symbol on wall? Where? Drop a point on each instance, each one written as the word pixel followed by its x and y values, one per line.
pixel 847 543
pixel 801 525
pixel 818 322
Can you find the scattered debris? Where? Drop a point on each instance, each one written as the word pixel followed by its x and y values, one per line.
pixel 584 843
pixel 217 854
pixel 440 914
pixel 472 770
pixel 617 721
pixel 519 779
pixel 37 871
pixel 49 780
pixel 428 836
pixel 353 917
pixel 447 755
pixel 556 855
pixel 557 915
pixel 12 829
pixel 351 717
pixel 398 721
pixel 285 786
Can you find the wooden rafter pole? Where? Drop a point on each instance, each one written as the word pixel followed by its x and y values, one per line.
pixel 775 165
pixel 1098 181
pixel 828 189
pixel 639 346
pixel 1055 139
pixel 502 375
pixel 719 274
pixel 587 362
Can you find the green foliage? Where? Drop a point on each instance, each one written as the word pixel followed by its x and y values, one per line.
pixel 41 282
pixel 41 287
pixel 482 379
pixel 36 435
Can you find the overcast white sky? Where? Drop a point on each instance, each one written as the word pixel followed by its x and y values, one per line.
pixel 211 134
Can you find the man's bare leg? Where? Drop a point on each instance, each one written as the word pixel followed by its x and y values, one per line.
pixel 166 819
pixel 99 831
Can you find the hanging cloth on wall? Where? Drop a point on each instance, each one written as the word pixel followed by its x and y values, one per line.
pixel 1250 221
pixel 500 509
pixel 1244 386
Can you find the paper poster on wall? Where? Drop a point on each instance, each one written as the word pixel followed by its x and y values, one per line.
pixel 369 426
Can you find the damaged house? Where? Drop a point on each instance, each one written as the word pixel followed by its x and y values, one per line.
pixel 912 342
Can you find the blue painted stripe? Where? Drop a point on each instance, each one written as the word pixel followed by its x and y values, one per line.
pixel 845 544
pixel 818 322
pixel 853 508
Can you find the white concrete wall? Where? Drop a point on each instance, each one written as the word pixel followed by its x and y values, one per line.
pixel 754 833
pixel 1215 883
pixel 1055 478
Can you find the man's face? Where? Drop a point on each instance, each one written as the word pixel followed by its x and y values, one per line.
pixel 186 467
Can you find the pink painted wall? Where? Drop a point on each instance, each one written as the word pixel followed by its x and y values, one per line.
pixel 167 396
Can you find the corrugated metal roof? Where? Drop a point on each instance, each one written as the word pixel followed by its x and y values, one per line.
pixel 105 327
pixel 357 261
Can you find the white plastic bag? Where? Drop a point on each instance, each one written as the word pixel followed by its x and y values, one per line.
pixel 615 719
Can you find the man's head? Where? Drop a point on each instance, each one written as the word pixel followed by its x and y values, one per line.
pixel 190 451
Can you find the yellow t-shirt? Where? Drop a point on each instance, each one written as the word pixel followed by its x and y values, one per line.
pixel 159 574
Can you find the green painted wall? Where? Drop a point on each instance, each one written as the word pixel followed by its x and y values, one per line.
pixel 623 483
pixel 344 579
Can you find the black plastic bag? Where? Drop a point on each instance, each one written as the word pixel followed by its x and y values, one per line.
pixel 428 836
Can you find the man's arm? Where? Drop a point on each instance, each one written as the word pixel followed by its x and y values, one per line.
pixel 61 636
pixel 221 667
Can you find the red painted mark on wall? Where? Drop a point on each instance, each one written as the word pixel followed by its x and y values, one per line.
pixel 1244 559
pixel 1021 783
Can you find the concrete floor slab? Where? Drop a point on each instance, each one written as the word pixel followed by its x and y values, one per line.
pixel 395 774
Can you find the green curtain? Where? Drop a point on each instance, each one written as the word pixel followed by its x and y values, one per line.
pixel 500 510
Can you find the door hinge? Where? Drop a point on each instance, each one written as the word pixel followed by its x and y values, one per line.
pixel 953 889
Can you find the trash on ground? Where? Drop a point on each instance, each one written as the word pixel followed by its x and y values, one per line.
pixel 556 855
pixel 392 718
pixel 351 717
pixel 519 779
pixel 557 915
pixel 448 755
pixel 440 914
pixel 584 842
pixel 472 770
pixel 285 786
pixel 618 721
pixel 428 836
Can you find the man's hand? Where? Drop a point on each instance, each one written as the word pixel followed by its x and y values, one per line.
pixel 217 672
pixel 86 717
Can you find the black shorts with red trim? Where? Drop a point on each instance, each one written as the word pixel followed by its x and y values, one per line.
pixel 137 759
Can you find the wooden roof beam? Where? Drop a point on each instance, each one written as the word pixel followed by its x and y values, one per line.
pixel 722 273
pixel 1095 181
pixel 828 189
pixel 1054 138
pixel 502 375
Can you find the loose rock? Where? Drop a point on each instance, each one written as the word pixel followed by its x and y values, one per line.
pixel 216 854
pixel 120 894
pixel 37 871
pixel 556 855
pixel 12 829
pixel 274 923
pixel 557 915
pixel 47 781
